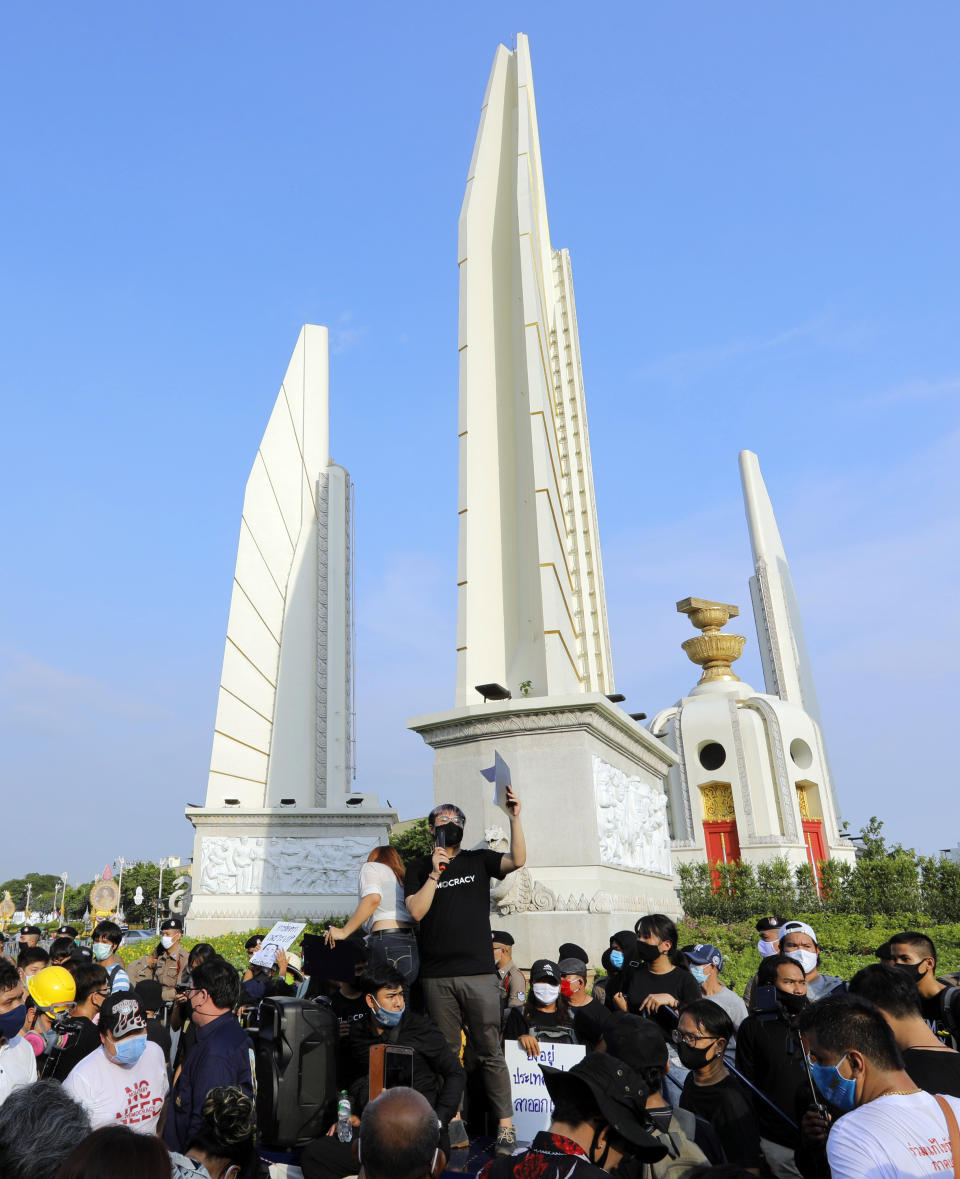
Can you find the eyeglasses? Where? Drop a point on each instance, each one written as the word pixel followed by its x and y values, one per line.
pixel 689 1039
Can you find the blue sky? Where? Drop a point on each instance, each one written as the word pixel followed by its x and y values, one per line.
pixel 760 202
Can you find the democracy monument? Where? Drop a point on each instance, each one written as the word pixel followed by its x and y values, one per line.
pixel 609 806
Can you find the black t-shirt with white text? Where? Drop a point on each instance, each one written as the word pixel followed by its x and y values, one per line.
pixel 455 932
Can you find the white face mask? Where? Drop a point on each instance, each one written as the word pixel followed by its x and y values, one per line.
pixel 546 992
pixel 166 942
pixel 767 949
pixel 807 959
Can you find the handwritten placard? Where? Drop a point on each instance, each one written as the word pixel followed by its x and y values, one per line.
pixel 532 1106
pixel 281 937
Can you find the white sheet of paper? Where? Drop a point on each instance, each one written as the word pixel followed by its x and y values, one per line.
pixel 532 1106
pixel 499 775
pixel 281 937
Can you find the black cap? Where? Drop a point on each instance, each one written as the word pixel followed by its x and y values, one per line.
pixel 81 955
pixel 501 937
pixel 67 931
pixel 123 1014
pixel 766 924
pixel 572 950
pixel 543 970
pixel 636 1041
pixel 619 1094
pixel 172 923
pixel 31 929
pixel 151 992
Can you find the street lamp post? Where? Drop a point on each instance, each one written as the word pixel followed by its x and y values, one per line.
pixel 123 863
pixel 163 864
pixel 26 910
pixel 63 898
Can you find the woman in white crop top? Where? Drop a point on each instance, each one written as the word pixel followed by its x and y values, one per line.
pixel 383 914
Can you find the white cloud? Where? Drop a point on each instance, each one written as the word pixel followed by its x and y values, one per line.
pixel 345 334
pixel 822 332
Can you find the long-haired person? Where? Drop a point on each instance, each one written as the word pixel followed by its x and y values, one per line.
pixel 662 984
pixel 383 913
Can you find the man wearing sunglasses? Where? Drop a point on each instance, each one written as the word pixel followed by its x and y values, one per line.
pixel 222 1054
pixel 710 1091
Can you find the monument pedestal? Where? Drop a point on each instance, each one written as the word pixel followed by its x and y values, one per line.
pixel 594 811
pixel 254 867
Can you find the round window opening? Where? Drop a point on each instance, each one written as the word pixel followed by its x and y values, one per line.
pixel 800 753
pixel 712 755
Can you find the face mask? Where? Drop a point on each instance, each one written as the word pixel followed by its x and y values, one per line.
pixel 545 992
pixel 387 1019
pixel 910 969
pixel 448 835
pixel 647 953
pixel 767 949
pixel 699 973
pixel 807 959
pixel 166 942
pixel 839 1090
pixel 793 1004
pixel 567 988
pixel 12 1021
pixel 102 950
pixel 616 958
pixel 130 1049
pixel 692 1058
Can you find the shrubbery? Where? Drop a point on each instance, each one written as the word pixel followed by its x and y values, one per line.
pixel 883 881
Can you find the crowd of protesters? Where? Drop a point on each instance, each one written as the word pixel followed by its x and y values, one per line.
pixel 150 1070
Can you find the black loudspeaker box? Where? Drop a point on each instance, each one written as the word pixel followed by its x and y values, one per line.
pixel 296 1056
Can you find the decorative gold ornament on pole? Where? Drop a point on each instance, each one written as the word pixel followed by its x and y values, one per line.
pixel 713 651
pixel 103 900
pixel 7 910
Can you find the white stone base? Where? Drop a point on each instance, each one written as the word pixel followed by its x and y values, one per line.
pixel 254 867
pixel 591 785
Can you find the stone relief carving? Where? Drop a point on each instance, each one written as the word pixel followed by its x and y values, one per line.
pixel 631 821
pixel 240 865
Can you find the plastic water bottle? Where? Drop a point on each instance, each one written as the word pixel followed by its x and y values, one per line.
pixel 344 1129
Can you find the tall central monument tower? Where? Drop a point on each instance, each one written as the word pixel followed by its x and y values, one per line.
pixel 532 621
pixel 531 605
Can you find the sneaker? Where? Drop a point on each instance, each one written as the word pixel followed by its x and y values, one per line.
pixel 458 1133
pixel 506 1141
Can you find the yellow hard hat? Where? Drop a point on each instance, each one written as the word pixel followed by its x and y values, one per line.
pixel 53 988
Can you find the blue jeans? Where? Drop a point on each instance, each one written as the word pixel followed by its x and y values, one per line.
pixel 399 948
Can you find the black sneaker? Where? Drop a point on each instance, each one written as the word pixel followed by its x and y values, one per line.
pixel 506 1141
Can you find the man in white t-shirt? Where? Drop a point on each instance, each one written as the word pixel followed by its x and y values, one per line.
pixel 126 1080
pixel 892 1129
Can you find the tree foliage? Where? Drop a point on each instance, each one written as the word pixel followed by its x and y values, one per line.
pixel 415 841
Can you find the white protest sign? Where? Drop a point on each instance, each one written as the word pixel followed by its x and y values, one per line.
pixel 499 775
pixel 532 1106
pixel 281 937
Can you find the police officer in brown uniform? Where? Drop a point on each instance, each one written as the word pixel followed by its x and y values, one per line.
pixel 167 963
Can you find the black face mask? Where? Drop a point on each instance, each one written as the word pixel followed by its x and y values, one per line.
pixel 647 953
pixel 692 1058
pixel 910 969
pixel 792 1004
pixel 448 835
